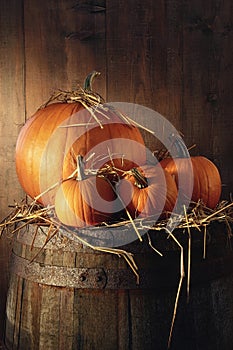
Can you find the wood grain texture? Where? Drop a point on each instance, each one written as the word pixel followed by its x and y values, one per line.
pixel 12 115
pixel 62 45
pixel 144 57
pixel 43 315
pixel 206 54
pixel 12 108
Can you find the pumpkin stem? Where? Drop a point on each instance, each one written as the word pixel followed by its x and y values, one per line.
pixel 140 180
pixel 88 81
pixel 80 169
pixel 179 145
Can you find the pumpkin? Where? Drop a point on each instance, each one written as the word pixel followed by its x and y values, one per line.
pixel 148 190
pixel 78 200
pixel 117 144
pixel 47 143
pixel 206 180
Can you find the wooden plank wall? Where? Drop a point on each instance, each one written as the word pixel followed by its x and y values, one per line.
pixel 12 111
pixel 174 56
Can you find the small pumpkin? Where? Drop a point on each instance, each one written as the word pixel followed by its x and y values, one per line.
pixel 78 200
pixel 148 190
pixel 46 147
pixel 206 180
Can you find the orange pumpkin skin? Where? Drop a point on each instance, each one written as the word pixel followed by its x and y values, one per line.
pixel 206 178
pixel 40 163
pixel 77 202
pixel 31 145
pixel 115 138
pixel 159 197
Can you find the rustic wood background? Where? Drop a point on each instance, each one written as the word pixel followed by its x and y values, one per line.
pixel 174 56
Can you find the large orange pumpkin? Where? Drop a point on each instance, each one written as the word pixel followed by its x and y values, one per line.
pixel 116 143
pixel 148 190
pixel 201 171
pixel 48 141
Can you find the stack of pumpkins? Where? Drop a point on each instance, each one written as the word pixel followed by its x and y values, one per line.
pixel 145 189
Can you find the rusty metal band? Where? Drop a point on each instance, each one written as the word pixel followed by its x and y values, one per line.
pixel 123 278
pixel 74 277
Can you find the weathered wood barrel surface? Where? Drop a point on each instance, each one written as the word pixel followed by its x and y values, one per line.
pixel 68 296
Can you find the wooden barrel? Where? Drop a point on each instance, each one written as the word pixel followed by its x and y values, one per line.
pixel 68 296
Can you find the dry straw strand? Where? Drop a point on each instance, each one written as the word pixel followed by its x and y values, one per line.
pixel 182 275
